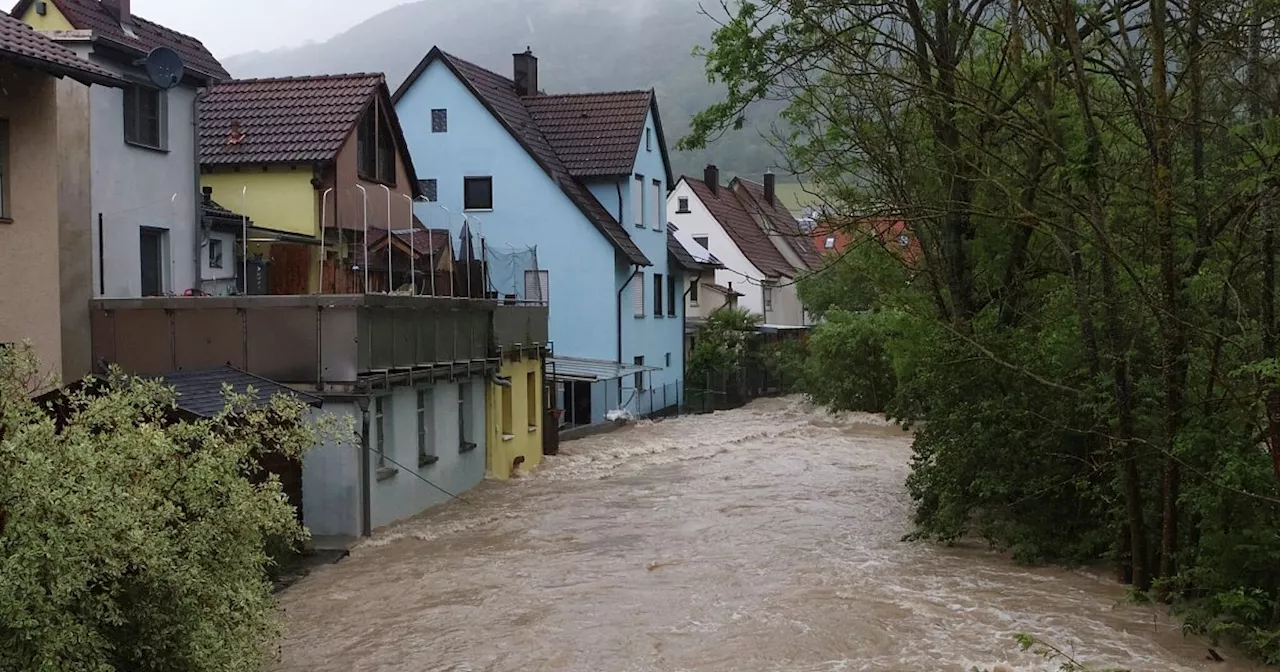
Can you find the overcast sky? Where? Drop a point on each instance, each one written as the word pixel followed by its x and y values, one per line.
pixel 229 27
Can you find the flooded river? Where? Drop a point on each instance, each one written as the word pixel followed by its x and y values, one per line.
pixel 762 539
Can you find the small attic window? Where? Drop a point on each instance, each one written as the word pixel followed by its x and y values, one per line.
pixel 42 8
pixel 648 139
pixel 682 205
pixel 439 121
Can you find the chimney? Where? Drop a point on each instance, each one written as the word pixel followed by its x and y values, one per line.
pixel 526 73
pixel 208 194
pixel 711 175
pixel 120 10
pixel 770 187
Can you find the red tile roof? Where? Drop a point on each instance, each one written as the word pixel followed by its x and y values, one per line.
pixel 498 93
pixel 787 230
pixel 91 15
pixel 20 44
pixel 595 134
pixel 302 119
pixel 732 214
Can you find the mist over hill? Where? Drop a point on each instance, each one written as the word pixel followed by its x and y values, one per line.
pixel 582 45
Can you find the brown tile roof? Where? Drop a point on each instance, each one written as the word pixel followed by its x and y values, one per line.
pixel 424 243
pixel 20 44
pixel 595 134
pixel 302 119
pixel 728 209
pixel 784 223
pixel 682 256
pixel 91 15
pixel 498 93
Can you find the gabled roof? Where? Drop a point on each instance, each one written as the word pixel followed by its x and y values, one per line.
pixel 781 220
pixel 200 393
pixel 421 241
pixel 686 256
pixel 20 44
pixel 291 119
pixel 596 134
pixel 498 95
pixel 728 209
pixel 91 15
pixel 220 215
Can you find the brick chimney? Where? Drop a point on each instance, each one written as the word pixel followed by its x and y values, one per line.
pixel 770 188
pixel 525 73
pixel 120 10
pixel 711 175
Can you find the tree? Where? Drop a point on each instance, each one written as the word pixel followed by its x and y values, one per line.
pixel 133 541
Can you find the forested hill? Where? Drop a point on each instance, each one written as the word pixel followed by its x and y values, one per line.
pixel 582 45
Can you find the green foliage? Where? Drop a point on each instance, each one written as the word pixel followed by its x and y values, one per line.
pixel 132 542
pixel 723 344
pixel 848 366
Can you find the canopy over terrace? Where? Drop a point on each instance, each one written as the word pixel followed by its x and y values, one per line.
pixel 583 370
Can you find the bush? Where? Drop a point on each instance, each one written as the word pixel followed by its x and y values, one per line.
pixel 132 542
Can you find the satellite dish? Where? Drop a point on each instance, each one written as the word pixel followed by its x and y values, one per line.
pixel 164 67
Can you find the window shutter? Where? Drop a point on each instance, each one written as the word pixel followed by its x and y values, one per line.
pixel 537 287
pixel 639 295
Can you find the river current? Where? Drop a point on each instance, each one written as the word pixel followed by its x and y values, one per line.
pixel 767 538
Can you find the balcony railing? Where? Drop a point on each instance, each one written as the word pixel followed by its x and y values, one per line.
pixel 321 340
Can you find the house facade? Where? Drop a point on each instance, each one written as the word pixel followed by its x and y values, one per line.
pixel 760 246
pixel 144 194
pixel 582 180
pixel 319 165
pixel 45 178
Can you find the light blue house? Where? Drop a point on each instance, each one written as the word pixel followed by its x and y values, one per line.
pixel 583 179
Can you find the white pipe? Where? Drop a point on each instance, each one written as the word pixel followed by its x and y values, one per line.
pixel 244 239
pixel 324 205
pixel 365 200
pixel 390 284
pixel 413 253
pixel 173 209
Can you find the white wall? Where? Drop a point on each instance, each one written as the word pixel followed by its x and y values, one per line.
pixel 744 276
pixel 219 281
pixel 331 479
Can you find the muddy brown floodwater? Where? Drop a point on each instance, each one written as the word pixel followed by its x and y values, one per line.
pixel 766 538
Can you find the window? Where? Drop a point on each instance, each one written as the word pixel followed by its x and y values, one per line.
pixel 439 121
pixel 657 295
pixel 637 202
pixel 668 360
pixel 215 253
pixel 477 193
pixel 531 400
pixel 682 205
pixel 144 116
pixel 671 296
pixel 464 419
pixel 648 139
pixel 4 169
pixel 703 241
pixel 366 142
pixel 426 449
pixel 831 242
pixel 537 287
pixel 658 210
pixel 380 426
pixel 430 189
pixel 375 148
pixel 639 374
pixel 639 294
pixel 768 297
pixel 693 293
pixel 508 423
pixel 153 251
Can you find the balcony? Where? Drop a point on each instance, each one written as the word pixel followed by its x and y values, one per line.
pixel 308 340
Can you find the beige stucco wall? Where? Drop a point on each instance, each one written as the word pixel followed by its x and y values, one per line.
pixel 30 298
pixel 75 226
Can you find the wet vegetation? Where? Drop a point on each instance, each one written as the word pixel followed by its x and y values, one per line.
pixel 1083 321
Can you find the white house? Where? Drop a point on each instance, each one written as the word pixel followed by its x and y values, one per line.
pixel 758 243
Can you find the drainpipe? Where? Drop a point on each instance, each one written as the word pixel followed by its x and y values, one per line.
pixel 621 221
pixel 324 204
pixel 199 201
pixel 364 257
pixel 366 471
pixel 500 381
pixel 684 370
pixel 634 273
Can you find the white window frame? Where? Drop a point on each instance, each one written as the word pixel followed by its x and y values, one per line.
pixel 637 202
pixel 657 205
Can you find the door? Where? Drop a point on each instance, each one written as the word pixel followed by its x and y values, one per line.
pixel 152 261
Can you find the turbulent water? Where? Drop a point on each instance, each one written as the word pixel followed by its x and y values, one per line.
pixel 767 538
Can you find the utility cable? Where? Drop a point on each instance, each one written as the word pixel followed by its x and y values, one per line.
pixel 415 473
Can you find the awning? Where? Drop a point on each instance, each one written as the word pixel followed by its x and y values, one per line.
pixel 783 328
pixel 581 369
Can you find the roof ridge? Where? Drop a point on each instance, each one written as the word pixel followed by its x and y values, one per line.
pixel 476 66
pixel 300 78
pixel 544 96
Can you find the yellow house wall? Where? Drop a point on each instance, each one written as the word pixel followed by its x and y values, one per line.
pixel 502 451
pixel 280 199
pixel 52 20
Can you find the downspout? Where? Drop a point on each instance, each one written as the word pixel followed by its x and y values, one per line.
pixel 622 289
pixel 199 200
pixel 684 305
pixel 366 472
